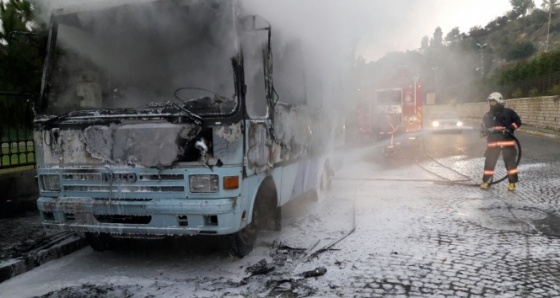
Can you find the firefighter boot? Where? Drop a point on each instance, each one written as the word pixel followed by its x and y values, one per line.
pixel 511 186
pixel 486 183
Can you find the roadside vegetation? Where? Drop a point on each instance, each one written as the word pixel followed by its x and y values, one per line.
pixel 22 45
pixel 517 53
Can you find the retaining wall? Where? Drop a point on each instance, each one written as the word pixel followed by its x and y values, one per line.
pixel 542 112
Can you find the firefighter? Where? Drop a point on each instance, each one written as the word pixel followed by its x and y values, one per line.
pixel 498 126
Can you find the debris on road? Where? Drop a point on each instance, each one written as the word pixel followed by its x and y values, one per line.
pixel 262 267
pixel 313 273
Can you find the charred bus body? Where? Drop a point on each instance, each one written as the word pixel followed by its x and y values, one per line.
pixel 151 128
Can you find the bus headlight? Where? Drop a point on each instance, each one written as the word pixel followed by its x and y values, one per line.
pixel 459 123
pixel 50 182
pixel 203 183
pixel 435 123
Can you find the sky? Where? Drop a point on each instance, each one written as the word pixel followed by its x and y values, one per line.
pixel 376 26
pixel 373 28
pixel 414 20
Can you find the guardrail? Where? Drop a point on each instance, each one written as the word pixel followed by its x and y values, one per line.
pixel 16 130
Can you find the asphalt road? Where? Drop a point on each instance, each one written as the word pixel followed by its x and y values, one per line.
pixel 415 224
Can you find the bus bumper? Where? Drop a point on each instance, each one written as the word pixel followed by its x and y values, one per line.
pixel 165 217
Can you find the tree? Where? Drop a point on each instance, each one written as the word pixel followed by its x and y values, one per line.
pixel 522 7
pixel 521 50
pixel 453 35
pixel 16 17
pixel 549 5
pixel 437 40
pixel 425 42
pixel 477 31
pixel 20 59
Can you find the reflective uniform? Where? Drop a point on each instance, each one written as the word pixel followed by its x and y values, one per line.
pixel 501 118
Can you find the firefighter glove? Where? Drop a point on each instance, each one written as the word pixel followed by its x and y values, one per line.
pixel 483 131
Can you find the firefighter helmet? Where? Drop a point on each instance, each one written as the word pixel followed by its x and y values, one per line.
pixel 497 97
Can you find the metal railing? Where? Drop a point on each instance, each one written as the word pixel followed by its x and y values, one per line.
pixel 16 130
pixel 541 86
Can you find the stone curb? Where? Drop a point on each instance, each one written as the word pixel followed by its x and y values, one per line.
pixel 61 247
pixel 540 133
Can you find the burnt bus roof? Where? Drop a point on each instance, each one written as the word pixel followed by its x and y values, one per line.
pixel 109 4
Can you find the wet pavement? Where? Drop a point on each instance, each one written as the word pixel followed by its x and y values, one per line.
pixel 423 227
pixel 460 241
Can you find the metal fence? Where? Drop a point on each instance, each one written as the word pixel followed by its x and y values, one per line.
pixel 16 130
pixel 540 86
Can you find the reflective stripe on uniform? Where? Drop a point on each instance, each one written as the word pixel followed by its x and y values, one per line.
pixel 514 125
pixel 502 144
pixel 488 172
pixel 512 171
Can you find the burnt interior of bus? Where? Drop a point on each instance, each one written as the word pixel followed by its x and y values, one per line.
pixel 133 55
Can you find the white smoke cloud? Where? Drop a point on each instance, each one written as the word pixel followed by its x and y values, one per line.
pixel 332 33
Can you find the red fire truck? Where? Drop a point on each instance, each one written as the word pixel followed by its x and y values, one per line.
pixel 403 104
pixel 388 106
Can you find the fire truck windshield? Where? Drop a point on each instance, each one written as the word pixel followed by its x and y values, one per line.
pixel 389 96
pixel 132 55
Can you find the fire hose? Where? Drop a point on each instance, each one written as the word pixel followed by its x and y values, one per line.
pixel 483 133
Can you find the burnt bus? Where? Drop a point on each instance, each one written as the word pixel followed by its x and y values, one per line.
pixel 161 118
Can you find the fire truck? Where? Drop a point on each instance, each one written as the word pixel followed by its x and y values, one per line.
pixel 403 104
pixel 389 106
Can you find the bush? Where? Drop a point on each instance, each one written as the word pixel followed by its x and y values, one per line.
pixel 555 90
pixel 521 50
pixel 534 92
pixel 517 93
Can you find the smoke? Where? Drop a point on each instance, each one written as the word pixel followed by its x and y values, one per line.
pixel 141 53
pixel 318 35
pixel 315 42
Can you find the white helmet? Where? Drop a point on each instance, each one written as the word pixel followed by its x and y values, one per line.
pixel 497 97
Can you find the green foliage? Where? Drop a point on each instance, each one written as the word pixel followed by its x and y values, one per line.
pixel 547 63
pixel 517 93
pixel 20 48
pixel 521 50
pixel 533 92
pixel 437 40
pixel 453 35
pixel 521 7
pixel 555 90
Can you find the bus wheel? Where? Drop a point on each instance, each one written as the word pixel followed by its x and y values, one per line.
pixel 242 242
pixel 99 241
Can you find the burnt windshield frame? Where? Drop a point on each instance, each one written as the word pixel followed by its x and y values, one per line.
pixel 47 67
pixel 235 79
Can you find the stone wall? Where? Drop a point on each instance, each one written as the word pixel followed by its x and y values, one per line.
pixel 543 112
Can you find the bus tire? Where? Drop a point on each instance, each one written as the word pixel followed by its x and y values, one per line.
pixel 242 243
pixel 99 241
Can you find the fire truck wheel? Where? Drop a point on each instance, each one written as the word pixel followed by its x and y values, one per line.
pixel 99 241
